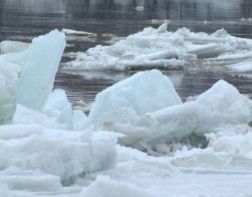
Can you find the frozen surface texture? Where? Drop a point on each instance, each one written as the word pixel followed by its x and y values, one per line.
pixel 64 155
pixel 160 48
pixel 106 187
pixel 39 64
pixel 8 77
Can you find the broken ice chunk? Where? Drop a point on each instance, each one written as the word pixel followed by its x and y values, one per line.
pixel 8 77
pixel 79 120
pixel 55 152
pixel 39 64
pixel 221 104
pixel 57 106
pixel 129 99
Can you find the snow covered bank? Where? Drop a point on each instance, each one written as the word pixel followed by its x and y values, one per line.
pixel 159 48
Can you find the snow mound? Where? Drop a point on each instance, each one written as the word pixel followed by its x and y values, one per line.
pixel 129 99
pixel 152 48
pixel 39 64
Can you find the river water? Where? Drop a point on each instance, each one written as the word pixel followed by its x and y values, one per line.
pixel 24 19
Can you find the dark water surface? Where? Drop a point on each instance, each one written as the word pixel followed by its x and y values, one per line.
pixel 24 19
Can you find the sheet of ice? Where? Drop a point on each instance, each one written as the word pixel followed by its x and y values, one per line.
pixel 131 98
pixel 72 31
pixel 8 46
pixel 242 66
pixel 153 48
pixel 8 77
pixel 39 64
pixel 57 106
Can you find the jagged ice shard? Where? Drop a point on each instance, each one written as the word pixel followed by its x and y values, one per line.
pixel 39 64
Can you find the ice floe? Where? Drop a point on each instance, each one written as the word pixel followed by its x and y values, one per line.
pixel 159 48
pixel 242 66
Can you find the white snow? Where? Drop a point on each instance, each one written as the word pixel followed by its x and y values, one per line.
pixel 153 48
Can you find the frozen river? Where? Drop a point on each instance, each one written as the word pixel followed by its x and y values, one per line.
pixel 111 19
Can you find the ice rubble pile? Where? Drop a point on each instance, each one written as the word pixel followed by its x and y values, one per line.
pixel 136 113
pixel 39 149
pixel 45 146
pixel 160 48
